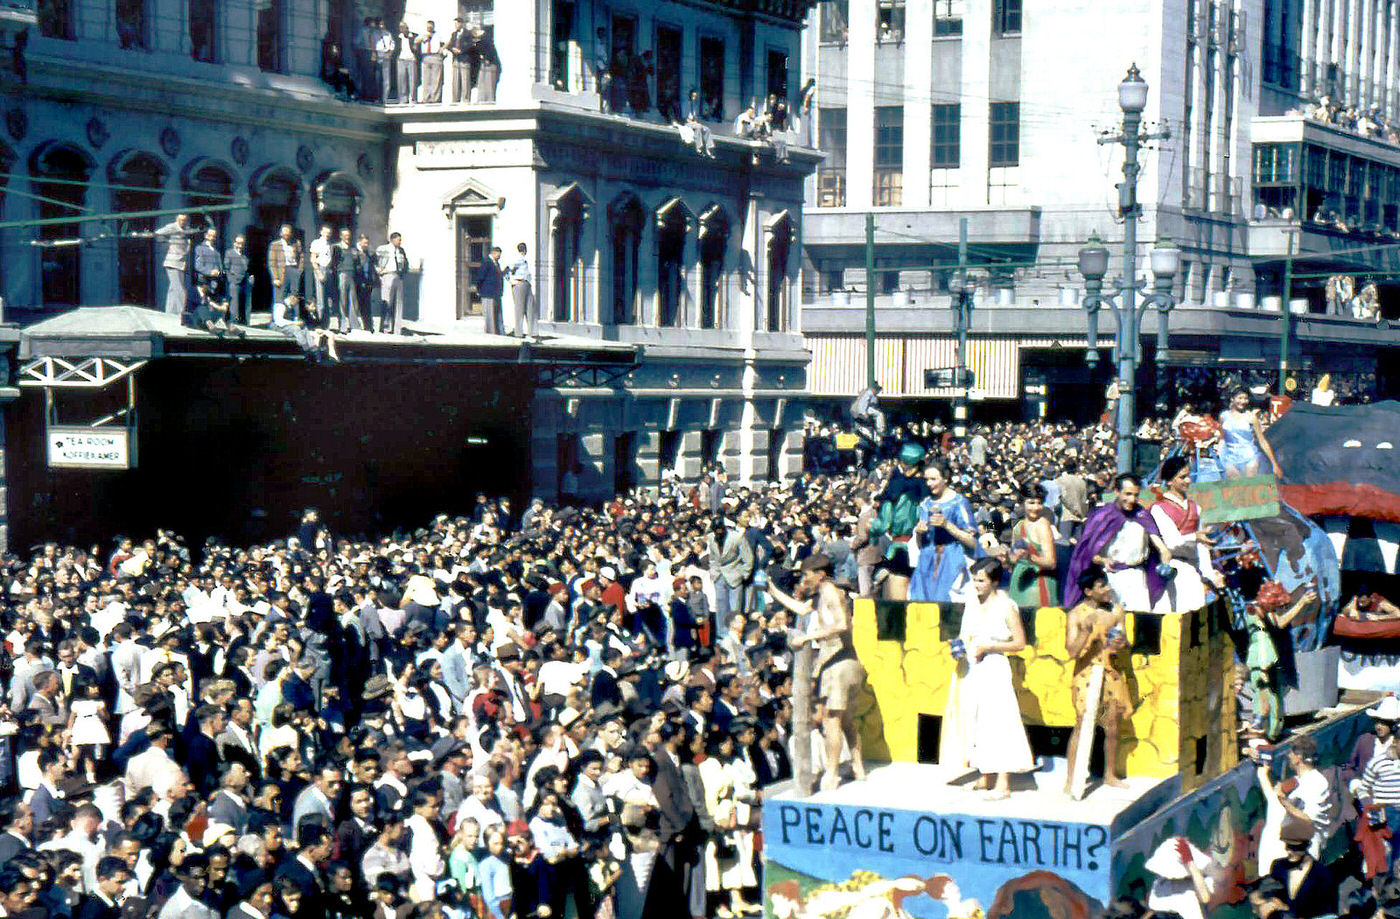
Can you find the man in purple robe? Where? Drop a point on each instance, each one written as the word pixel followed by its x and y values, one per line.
pixel 1122 538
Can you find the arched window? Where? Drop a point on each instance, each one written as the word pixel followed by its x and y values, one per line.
pixel 337 202
pixel 568 209
pixel 56 19
pixel 625 219
pixel 275 199
pixel 204 32
pixel 60 173
pixel 139 179
pixel 714 242
pixel 673 222
pixel 780 231
pixel 208 182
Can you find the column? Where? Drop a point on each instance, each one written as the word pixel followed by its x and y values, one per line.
pixel 860 105
pixel 1365 51
pixel 522 23
pixel 976 114
pixel 1380 38
pixel 1353 53
pixel 1339 44
pixel 1392 67
pixel 1306 55
pixel 918 113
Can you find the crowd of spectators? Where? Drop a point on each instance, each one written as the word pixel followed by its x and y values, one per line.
pixel 1368 122
pixel 403 67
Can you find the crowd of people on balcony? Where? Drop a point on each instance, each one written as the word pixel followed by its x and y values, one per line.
pixel 403 67
pixel 1368 122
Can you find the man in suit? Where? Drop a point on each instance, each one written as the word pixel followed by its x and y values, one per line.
pixel 317 800
pixel 19 824
pixel 102 901
pixel 605 688
pixel 239 285
pixel 1311 888
pixel 391 264
pixel 228 805
pixel 209 264
pixel 285 263
pixel 731 565
pixel 71 674
pixel 678 826
pixel 177 236
pixel 236 741
pixel 457 45
pixel 304 870
pixel 489 65
pixel 490 284
pixel 366 280
pixel 344 259
pixel 405 64
pixel 201 750
pixel 48 699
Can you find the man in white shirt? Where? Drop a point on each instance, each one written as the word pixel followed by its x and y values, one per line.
pixel 391 262
pixel 424 850
pixel 82 839
pixel 522 294
pixel 430 53
pixel 384 58
pixel 145 768
pixel 322 251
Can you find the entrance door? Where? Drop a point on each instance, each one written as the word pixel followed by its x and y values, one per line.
pixel 473 244
pixel 624 462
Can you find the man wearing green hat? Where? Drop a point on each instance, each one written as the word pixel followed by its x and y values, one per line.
pixel 898 515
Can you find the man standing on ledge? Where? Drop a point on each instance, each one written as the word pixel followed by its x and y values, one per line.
pixel 825 621
pixel 1120 538
pixel 1094 635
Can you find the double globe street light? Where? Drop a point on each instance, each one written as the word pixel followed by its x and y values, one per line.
pixel 1123 298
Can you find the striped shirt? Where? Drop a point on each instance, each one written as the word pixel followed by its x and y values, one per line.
pixel 1380 783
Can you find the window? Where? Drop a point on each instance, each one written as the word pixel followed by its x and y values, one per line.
pixel 712 78
pixel 337 202
pixel 1005 147
pixel 562 23
pixel 276 199
pixel 834 279
pixel 1275 163
pixel 131 23
pixel 668 73
pixel 671 228
pixel 777 441
pixel 56 18
pixel 208 185
pixel 473 247
pixel 625 218
pixel 1006 17
pixel 202 30
pixel 779 245
pixel 270 36
pixel 568 267
pixel 947 137
pixel 624 462
pixel 947 17
pixel 831 175
pixel 714 241
pixel 710 444
pixel 835 21
pixel 887 282
pixel 889 23
pixel 668 451
pixel 889 155
pixel 65 196
pixel 777 73
pixel 143 175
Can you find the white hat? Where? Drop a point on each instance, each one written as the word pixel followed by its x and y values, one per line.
pixel 676 671
pixel 1388 709
pixel 1166 861
pixel 608 571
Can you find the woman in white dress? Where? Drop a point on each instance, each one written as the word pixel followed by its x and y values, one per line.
pixel 730 797
pixel 982 725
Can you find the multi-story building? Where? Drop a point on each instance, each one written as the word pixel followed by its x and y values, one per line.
pixel 126 113
pixel 933 113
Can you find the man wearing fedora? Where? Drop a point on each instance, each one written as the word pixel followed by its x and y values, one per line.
pixel 1310 887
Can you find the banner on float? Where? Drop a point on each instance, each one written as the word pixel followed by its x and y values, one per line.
pixel 1233 500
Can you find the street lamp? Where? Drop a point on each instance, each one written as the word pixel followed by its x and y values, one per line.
pixel 1123 298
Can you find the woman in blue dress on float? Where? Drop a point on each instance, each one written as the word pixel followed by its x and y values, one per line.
pixel 1243 446
pixel 945 541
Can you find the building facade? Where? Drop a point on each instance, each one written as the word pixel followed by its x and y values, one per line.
pixel 126 112
pixel 935 114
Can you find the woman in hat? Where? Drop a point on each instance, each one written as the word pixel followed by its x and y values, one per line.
pixel 982 727
pixel 1180 884
pixel 1377 787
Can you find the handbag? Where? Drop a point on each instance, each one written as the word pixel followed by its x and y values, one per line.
pixel 1377 815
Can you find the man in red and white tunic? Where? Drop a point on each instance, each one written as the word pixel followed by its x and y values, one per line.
pixel 1178 518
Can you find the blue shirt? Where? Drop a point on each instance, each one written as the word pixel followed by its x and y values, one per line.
pixel 520 271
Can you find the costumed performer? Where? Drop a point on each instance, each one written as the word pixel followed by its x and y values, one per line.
pixel 898 513
pixel 1033 553
pixel 1121 538
pixel 1094 634
pixel 945 542
pixel 1178 520
pixel 982 725
pixel 1265 625
pixel 1243 446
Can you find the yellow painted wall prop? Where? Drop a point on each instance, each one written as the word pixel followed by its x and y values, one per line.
pixel 1182 689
